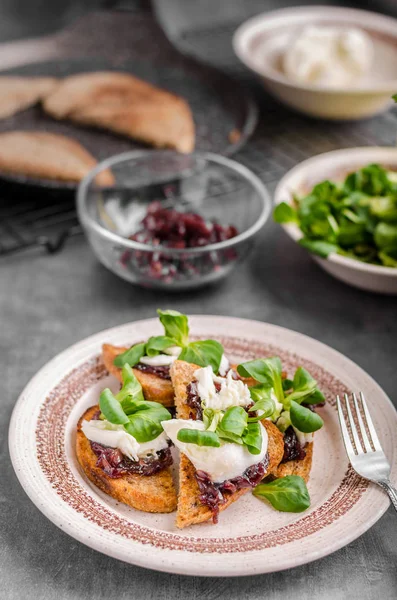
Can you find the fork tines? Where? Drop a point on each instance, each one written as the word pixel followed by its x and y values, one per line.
pixel 364 425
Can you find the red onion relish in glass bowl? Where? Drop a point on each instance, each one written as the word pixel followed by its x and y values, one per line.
pixel 172 221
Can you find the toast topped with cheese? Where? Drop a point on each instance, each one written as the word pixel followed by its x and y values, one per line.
pixel 154 493
pixel 201 498
pixel 122 448
pixel 238 428
pixel 126 105
pixel 154 387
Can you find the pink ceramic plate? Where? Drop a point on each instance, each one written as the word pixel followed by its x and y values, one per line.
pixel 251 537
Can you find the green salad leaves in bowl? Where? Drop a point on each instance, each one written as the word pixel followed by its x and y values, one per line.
pixel 342 207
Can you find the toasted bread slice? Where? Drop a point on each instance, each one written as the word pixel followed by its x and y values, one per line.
pixel 41 154
pixel 154 388
pixel 190 511
pixel 126 105
pixel 19 93
pixel 152 493
pixel 296 467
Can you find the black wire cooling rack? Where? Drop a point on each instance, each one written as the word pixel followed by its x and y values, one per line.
pixel 43 223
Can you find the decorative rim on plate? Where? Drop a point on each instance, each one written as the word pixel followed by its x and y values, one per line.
pixel 59 490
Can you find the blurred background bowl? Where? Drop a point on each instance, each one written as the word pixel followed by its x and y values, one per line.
pixel 335 166
pixel 261 42
pixel 216 188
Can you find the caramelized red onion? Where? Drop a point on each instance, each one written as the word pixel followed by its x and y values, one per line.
pixel 214 495
pixel 170 228
pixel 116 464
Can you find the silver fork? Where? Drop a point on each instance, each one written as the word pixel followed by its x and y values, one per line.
pixel 370 462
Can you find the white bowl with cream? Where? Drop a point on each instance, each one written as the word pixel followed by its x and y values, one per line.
pixel 335 165
pixel 269 45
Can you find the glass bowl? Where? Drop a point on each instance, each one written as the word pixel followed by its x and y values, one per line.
pixel 221 191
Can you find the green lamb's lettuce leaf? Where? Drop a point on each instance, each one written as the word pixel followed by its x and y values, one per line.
pixel 131 391
pixel 356 219
pixel 211 418
pixel 285 213
pixel 388 256
pixel 157 345
pixel 267 371
pixel 319 247
pixel 384 208
pixel 385 235
pixel 175 325
pixel 131 357
pixel 303 386
pixel 252 438
pixel 140 418
pixel 200 438
pixel 304 419
pixel 145 423
pixel 176 328
pixel 284 421
pixel 111 408
pixel 203 353
pixel 234 420
pixel 371 180
pixel 287 494
pixel 263 402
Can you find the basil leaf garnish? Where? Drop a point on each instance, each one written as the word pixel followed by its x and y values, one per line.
pixel 175 325
pixel 287 494
pixel 304 419
pixel 131 356
pixel 200 438
pixel 203 353
pixel 111 408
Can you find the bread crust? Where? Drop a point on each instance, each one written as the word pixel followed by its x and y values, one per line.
pixel 296 467
pixel 154 388
pixel 190 511
pixel 152 493
pixel 47 155
pixel 126 105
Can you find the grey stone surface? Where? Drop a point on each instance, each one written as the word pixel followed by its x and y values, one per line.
pixel 50 302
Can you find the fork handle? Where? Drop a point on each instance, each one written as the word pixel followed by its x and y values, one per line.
pixel 390 490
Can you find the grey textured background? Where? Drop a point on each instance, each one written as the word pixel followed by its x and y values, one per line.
pixel 50 302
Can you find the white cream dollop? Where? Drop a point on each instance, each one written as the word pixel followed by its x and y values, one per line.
pixel 115 436
pixel 233 392
pixel 329 56
pixel 161 360
pixel 226 462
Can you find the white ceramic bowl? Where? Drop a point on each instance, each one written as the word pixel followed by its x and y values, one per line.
pixel 335 165
pixel 261 41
